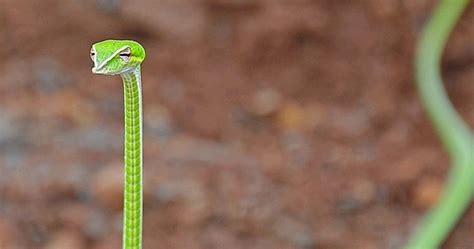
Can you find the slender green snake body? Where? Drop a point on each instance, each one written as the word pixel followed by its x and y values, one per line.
pixel 123 57
pixel 453 132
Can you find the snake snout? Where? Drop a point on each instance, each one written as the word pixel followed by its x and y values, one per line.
pixel 97 70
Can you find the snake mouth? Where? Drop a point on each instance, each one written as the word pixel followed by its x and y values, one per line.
pixel 101 70
pixel 94 70
pixel 105 71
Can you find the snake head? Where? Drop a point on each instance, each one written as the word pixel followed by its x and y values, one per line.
pixel 113 57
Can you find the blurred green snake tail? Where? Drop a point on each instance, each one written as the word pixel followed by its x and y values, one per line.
pixel 453 132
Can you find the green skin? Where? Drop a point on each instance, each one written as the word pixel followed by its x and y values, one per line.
pixel 123 57
pixel 452 130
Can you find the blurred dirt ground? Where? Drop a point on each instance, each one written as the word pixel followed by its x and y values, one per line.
pixel 269 123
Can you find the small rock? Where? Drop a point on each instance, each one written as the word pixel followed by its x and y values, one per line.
pixel 66 239
pixel 266 101
pixel 427 192
pixel 291 117
pixel 364 191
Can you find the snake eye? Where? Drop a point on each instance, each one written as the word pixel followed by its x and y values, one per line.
pixel 92 54
pixel 125 54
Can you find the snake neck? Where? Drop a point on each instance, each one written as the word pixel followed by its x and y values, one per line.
pixel 133 160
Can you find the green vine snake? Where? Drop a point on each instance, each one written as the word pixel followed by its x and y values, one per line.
pixel 452 130
pixel 123 57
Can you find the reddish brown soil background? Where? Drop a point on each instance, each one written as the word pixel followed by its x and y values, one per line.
pixel 269 123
